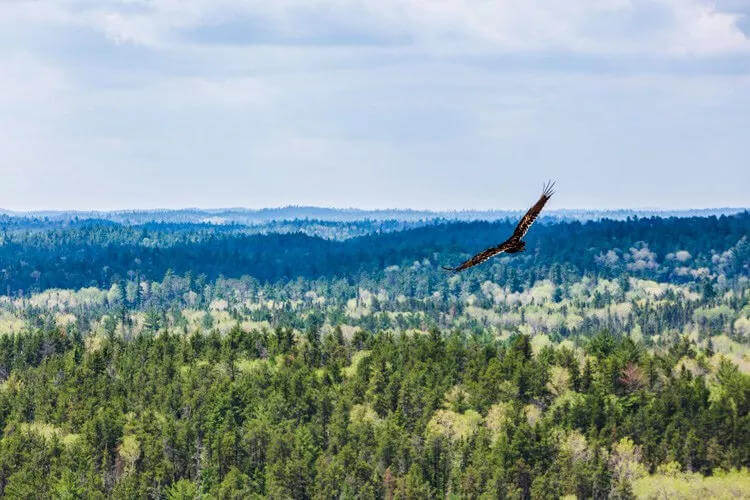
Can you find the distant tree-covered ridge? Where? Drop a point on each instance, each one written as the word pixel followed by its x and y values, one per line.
pixel 263 216
pixel 98 253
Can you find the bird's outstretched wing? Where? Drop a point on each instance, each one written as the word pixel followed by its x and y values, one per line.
pixel 512 242
pixel 528 219
pixel 481 257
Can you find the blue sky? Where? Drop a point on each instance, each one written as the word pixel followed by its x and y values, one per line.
pixel 435 104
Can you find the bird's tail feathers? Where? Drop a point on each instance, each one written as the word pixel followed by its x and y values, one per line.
pixel 548 188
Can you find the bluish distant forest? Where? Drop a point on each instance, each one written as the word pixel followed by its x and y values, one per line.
pixel 320 358
pixel 36 255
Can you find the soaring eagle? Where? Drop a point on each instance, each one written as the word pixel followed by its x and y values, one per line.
pixel 513 244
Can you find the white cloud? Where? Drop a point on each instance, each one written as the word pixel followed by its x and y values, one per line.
pixel 112 104
pixel 671 27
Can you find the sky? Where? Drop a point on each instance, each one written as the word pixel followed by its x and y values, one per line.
pixel 433 104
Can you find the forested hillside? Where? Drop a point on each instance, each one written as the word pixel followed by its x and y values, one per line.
pixel 268 414
pixel 98 253
pixel 610 360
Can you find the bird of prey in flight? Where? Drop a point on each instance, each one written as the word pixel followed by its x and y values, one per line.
pixel 513 244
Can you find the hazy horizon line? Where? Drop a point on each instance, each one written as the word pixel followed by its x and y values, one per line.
pixel 8 211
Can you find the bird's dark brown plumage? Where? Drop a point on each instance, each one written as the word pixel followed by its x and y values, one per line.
pixel 514 243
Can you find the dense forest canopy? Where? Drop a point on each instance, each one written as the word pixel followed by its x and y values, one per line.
pixel 94 253
pixel 315 359
pixel 268 414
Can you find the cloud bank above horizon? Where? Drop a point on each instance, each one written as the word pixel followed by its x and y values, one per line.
pixel 445 104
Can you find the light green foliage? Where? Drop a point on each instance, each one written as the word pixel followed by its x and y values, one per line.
pixel 129 451
pixel 48 431
pixel 584 305
pixel 115 295
pixel 575 447
pixel 363 413
pixel 11 324
pixel 559 380
pixel 539 342
pixel 685 486
pixel 533 413
pixel 626 461
pixel 252 365
pixel 183 489
pixel 453 425
pixel 351 370
pixel 498 418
